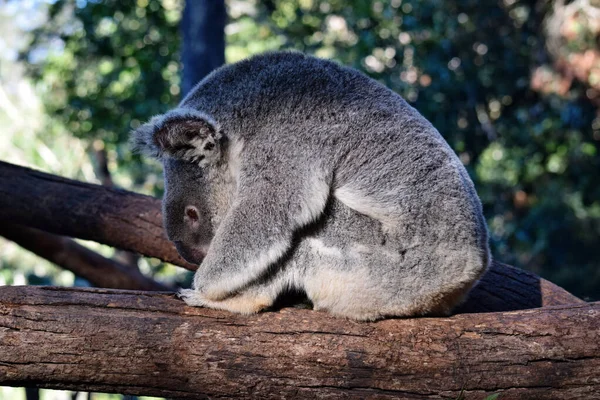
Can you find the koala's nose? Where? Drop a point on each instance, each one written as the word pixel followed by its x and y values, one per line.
pixel 191 212
pixel 190 254
pixel 191 218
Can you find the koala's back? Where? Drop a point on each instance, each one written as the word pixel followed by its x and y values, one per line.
pixel 384 155
pixel 290 87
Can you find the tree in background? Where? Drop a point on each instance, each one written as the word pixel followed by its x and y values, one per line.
pixel 203 34
pixel 105 67
pixel 498 79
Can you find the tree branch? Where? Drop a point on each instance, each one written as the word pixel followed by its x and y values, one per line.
pixel 152 344
pixel 83 262
pixel 101 160
pixel 118 218
pixel 133 222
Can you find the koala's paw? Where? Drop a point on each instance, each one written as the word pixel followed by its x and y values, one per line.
pixel 244 303
pixel 191 297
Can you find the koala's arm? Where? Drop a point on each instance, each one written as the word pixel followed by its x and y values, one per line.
pixel 275 196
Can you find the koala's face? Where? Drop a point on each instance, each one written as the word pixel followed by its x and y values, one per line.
pixel 186 141
pixel 185 210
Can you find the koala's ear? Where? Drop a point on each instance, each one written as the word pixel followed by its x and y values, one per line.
pixel 142 139
pixel 181 133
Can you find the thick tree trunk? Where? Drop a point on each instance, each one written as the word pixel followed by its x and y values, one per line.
pixel 133 222
pixel 70 255
pixel 152 344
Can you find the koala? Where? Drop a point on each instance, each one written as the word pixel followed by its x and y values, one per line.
pixel 285 172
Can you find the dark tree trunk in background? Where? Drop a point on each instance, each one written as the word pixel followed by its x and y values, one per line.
pixel 203 30
pixel 32 393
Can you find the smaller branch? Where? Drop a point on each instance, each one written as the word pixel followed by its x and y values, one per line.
pixel 68 254
pixel 118 218
pixel 101 157
pixel 506 288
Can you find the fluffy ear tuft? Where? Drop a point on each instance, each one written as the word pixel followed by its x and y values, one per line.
pixel 181 133
pixel 141 139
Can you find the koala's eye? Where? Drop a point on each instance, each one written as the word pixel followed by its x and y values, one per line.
pixel 192 213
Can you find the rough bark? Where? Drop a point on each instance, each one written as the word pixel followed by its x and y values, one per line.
pixel 119 218
pixel 127 258
pixel 133 222
pixel 506 288
pixel 70 255
pixel 152 344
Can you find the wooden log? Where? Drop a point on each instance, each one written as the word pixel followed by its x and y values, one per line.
pixel 133 222
pixel 146 343
pixel 83 262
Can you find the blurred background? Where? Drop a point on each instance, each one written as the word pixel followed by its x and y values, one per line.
pixel 513 86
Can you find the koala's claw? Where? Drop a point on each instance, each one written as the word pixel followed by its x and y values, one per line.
pixel 191 297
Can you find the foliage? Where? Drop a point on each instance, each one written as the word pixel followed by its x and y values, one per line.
pixel 483 72
pixel 29 139
pixel 105 67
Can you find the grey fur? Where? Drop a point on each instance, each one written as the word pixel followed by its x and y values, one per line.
pixel 318 179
